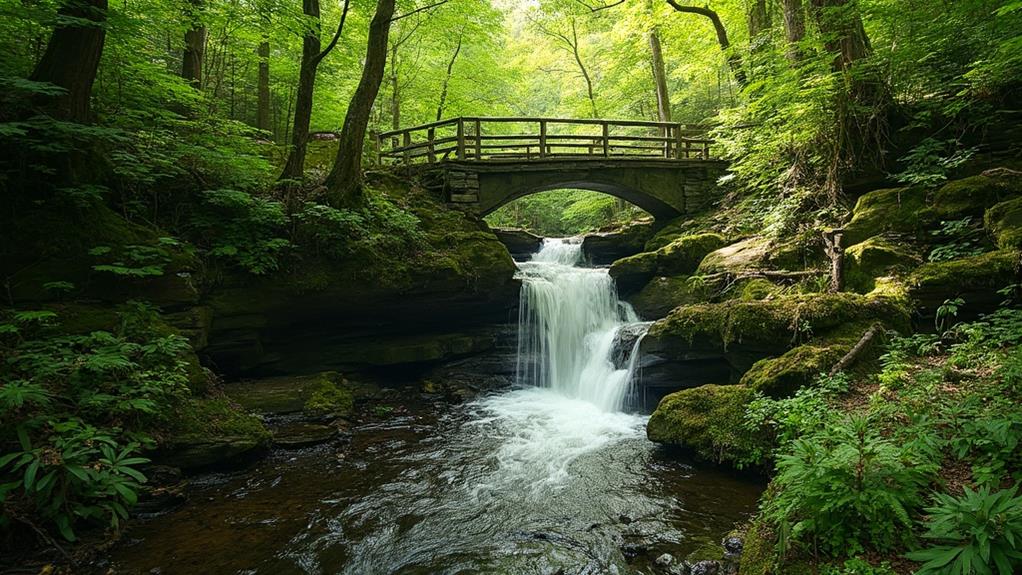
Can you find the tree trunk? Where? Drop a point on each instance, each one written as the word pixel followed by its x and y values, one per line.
pixel 447 81
pixel 841 24
pixel 734 61
pixel 663 97
pixel 395 91
pixel 294 168
pixel 759 25
pixel 345 177
pixel 794 27
pixel 195 46
pixel 263 107
pixel 72 58
pixel 582 68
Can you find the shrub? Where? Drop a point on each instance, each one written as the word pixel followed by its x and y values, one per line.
pixel 978 533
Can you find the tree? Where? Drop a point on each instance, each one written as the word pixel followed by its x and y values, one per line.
pixel 570 43
pixel 663 97
pixel 447 79
pixel 794 27
pixel 72 58
pixel 195 45
pixel 733 59
pixel 294 167
pixel 345 177
pixel 263 88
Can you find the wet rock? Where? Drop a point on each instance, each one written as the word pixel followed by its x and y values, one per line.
pixel 632 273
pixel 733 545
pixel 662 294
pixel 521 243
pixel 706 568
pixel 665 560
pixel 605 247
pixel 299 434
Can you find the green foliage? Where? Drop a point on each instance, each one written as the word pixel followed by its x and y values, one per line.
pixel 857 566
pixel 929 162
pixel 241 229
pixel 960 239
pixel 73 412
pixel 977 533
pixel 564 213
pixel 846 488
pixel 791 418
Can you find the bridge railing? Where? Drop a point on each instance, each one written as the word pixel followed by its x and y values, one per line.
pixel 472 138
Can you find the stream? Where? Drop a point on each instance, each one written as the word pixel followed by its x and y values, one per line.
pixel 553 476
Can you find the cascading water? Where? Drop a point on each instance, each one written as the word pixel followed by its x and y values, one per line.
pixel 569 325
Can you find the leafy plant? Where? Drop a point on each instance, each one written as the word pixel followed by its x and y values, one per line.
pixel 242 229
pixel 977 533
pixel 946 312
pixel 960 239
pixel 929 162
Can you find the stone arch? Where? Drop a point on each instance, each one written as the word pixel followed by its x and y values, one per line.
pixel 655 207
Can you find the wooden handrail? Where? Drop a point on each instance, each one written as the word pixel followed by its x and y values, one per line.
pixel 472 140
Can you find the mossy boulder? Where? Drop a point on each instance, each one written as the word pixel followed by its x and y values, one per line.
pixel 205 433
pixel 606 246
pixel 756 289
pixel 755 253
pixel 1004 222
pixel 683 255
pixel 972 196
pixel 708 420
pixel 662 294
pixel 782 376
pixel 292 394
pixel 633 272
pixel 893 210
pixel 768 325
pixel 877 257
pixel 520 243
pixel 975 279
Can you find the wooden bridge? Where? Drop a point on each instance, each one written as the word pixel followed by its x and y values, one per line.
pixel 666 168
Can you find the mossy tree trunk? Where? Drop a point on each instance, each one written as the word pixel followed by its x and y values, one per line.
pixel 345 177
pixel 195 45
pixel 663 96
pixel 794 27
pixel 263 85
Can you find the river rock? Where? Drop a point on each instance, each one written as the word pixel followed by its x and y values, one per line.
pixel 520 243
pixel 605 247
pixel 706 568
pixel 665 560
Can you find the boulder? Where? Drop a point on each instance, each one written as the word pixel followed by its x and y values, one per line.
pixel 520 243
pixel 1004 222
pixel 707 420
pixel 972 196
pixel 877 257
pixel 684 255
pixel 782 376
pixel 975 279
pixel 755 253
pixel 893 210
pixel 204 433
pixel 604 247
pixel 632 273
pixel 662 294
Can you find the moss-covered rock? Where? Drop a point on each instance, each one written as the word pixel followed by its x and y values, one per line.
pixel 210 432
pixel 756 289
pixel 332 397
pixel 683 255
pixel 1004 222
pixel 877 257
pixel 782 376
pixel 662 294
pixel 708 420
pixel 520 243
pixel 897 210
pixel 631 273
pixel 292 394
pixel 755 253
pixel 606 246
pixel 975 279
pixel 769 324
pixel 971 196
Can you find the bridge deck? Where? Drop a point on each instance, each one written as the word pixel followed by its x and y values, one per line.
pixel 542 139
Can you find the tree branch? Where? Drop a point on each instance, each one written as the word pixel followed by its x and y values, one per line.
pixel 601 7
pixel 417 10
pixel 337 34
pixel 734 60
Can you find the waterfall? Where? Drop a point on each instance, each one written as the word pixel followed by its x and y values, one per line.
pixel 569 325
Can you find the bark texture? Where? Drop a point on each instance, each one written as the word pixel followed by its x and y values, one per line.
pixel 663 97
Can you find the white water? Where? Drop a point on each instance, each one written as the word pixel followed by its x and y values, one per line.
pixel 571 392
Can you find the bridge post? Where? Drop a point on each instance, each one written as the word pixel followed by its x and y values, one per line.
pixel 461 139
pixel 679 142
pixel 479 139
pixel 542 138
pixel 431 147
pixel 606 139
pixel 407 143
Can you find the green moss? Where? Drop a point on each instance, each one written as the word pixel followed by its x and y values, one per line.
pixel 203 419
pixel 662 294
pixel 755 253
pixel 899 210
pixel 971 196
pixel 686 225
pixel 990 270
pixel 759 549
pixel 774 322
pixel 683 255
pixel 332 397
pixel 1004 222
pixel 757 289
pixel 631 273
pixel 708 420
pixel 782 376
pixel 876 257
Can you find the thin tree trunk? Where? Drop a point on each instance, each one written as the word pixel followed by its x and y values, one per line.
pixel 794 27
pixel 395 91
pixel 734 61
pixel 447 80
pixel 263 107
pixel 663 97
pixel 582 68
pixel 759 25
pixel 195 46
pixel 294 168
pixel 841 24
pixel 345 177
pixel 72 58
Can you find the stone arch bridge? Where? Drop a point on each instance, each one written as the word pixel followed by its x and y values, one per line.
pixel 667 169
